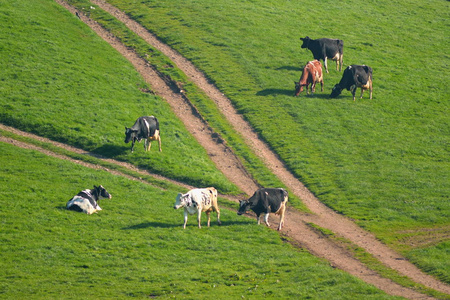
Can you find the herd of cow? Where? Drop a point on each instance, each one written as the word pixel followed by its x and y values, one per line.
pixel 264 200
pixel 196 201
pixel 354 76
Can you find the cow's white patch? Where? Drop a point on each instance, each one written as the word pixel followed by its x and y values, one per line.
pixel 84 204
pixel 337 56
pixel 147 125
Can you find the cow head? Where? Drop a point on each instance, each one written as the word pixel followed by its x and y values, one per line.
pixel 244 206
pixel 101 192
pixel 130 134
pixel 305 42
pixel 182 201
pixel 298 88
pixel 336 91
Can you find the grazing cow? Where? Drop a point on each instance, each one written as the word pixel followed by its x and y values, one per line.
pixel 312 73
pixel 144 128
pixel 87 201
pixel 324 48
pixel 266 200
pixel 198 201
pixel 354 76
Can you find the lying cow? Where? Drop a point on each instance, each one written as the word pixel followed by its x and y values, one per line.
pixel 355 76
pixel 198 201
pixel 324 48
pixel 312 73
pixel 87 201
pixel 266 200
pixel 144 128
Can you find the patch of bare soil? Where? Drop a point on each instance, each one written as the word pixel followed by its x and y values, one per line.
pixel 230 165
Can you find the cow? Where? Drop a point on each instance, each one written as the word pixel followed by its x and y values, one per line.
pixel 354 76
pixel 266 200
pixel 87 201
pixel 311 74
pixel 324 48
pixel 144 128
pixel 198 201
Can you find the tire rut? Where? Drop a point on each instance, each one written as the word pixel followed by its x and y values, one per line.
pixel 230 165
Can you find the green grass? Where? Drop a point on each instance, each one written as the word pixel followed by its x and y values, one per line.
pixel 70 86
pixel 384 162
pixel 208 109
pixel 136 247
pixel 374 264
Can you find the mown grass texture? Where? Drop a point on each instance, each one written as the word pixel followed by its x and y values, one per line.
pixel 71 86
pixel 383 162
pixel 208 109
pixel 136 247
pixel 29 109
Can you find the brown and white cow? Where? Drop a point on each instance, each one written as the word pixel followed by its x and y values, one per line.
pixel 266 200
pixel 311 74
pixel 198 201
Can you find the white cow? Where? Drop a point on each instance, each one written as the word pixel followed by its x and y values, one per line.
pixel 198 201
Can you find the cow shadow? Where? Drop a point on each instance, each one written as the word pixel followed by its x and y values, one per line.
pixel 317 95
pixel 151 224
pixel 110 150
pixel 267 92
pixel 290 68
pixel 189 224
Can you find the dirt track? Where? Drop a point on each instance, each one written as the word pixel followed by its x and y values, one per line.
pixel 296 227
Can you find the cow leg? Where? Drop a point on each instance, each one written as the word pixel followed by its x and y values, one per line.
pixel 321 85
pixel 132 146
pixel 185 219
pixel 199 218
pixel 370 88
pixel 313 87
pixel 257 219
pixel 145 144
pixel 266 219
pixel 218 215
pixel 353 91
pixel 149 145
pixel 362 91
pixel 159 142
pixel 341 60
pixel 208 214
pixel 325 63
pixel 283 209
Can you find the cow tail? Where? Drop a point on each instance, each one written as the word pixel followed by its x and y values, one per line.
pixel 285 194
pixel 369 71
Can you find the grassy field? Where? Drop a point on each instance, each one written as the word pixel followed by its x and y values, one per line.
pixel 136 246
pixel 382 162
pixel 72 87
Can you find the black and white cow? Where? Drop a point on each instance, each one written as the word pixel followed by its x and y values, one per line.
pixel 266 200
pixel 87 201
pixel 144 128
pixel 324 48
pixel 354 76
pixel 197 201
